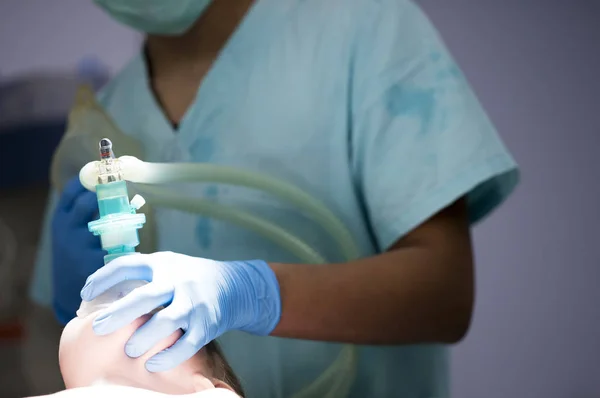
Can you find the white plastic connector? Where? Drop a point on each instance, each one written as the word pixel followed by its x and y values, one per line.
pixel 135 170
pixel 88 175
pixel 137 202
pixel 132 169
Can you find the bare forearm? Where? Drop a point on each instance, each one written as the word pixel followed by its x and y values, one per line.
pixel 413 294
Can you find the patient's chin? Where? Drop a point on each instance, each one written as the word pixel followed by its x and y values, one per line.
pixel 67 348
pixel 86 359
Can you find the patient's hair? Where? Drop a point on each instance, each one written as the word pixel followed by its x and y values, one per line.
pixel 221 369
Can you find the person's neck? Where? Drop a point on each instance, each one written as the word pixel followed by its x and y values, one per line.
pixel 201 43
pixel 114 380
pixel 177 65
pixel 178 381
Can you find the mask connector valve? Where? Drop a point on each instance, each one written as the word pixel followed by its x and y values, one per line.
pixel 118 224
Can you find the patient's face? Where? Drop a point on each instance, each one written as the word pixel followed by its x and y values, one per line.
pixel 87 359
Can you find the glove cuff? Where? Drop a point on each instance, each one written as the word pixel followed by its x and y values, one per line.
pixel 263 301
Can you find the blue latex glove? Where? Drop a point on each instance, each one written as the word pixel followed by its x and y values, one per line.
pixel 202 297
pixel 76 252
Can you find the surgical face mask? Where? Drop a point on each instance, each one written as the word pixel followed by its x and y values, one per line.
pixel 159 17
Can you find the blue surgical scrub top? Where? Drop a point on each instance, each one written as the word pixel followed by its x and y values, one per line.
pixel 358 103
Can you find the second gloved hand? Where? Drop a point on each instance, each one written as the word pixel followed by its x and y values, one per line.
pixel 76 252
pixel 202 297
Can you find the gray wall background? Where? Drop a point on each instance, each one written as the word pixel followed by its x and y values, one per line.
pixel 536 68
pixel 40 35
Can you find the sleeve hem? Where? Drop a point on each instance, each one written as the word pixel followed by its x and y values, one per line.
pixel 422 209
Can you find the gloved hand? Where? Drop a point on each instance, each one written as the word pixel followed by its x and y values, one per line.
pixel 76 252
pixel 202 297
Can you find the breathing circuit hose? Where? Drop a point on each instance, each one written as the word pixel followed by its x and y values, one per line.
pixel 163 198
pixel 137 171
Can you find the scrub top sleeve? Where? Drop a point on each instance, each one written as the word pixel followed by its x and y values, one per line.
pixel 420 138
pixel 40 289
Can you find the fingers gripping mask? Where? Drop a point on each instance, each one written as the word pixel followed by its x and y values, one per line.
pixel 160 17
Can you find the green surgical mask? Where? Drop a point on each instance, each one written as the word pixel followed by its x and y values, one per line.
pixel 159 17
